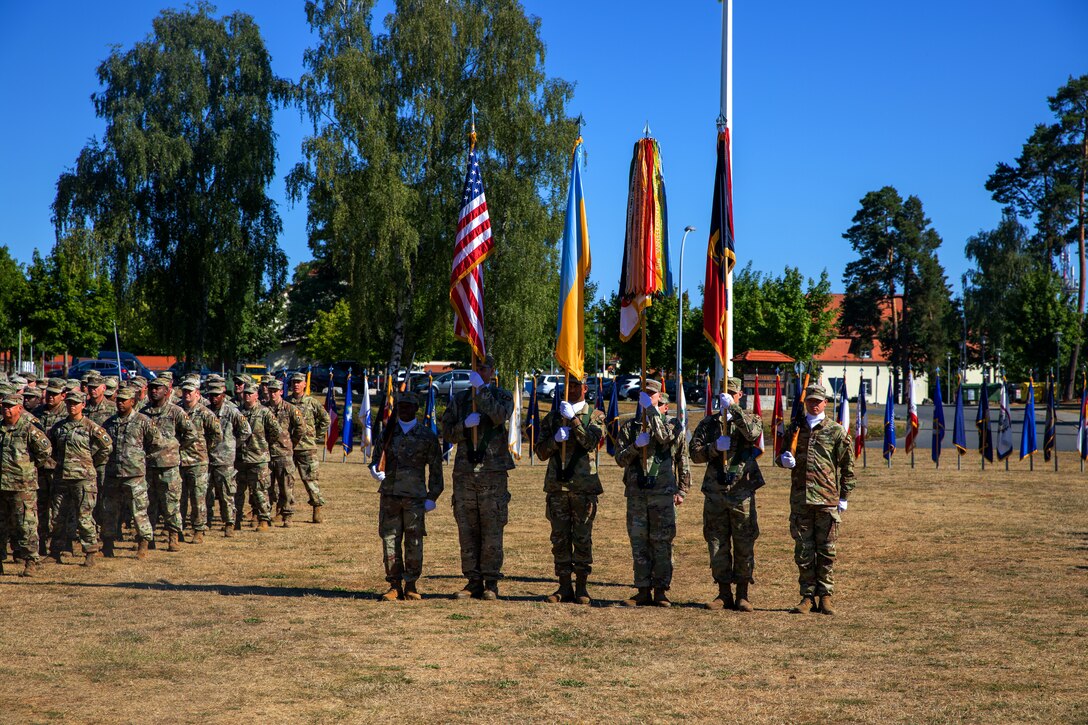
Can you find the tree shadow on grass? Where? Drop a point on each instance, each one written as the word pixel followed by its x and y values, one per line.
pixel 230 590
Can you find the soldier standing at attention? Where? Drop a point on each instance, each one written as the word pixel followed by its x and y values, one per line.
pixel 111 388
pixel 98 409
pixel 134 438
pixel 24 450
pixel 726 442
pixel 317 428
pixel 49 413
pixel 656 478
pixel 194 458
pixel 822 476
pixel 281 467
pixel 163 476
pixel 411 452
pixel 480 497
pixel 79 447
pixel 139 385
pixel 221 457
pixel 572 487
pixel 253 475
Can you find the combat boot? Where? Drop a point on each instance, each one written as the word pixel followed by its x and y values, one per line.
pixel 565 593
pixel 238 524
pixel 263 525
pixel 172 541
pixel 394 593
pixel 107 548
pixel 641 599
pixel 724 600
pixel 473 589
pixel 491 591
pixel 286 522
pixel 141 549
pixel 198 537
pixel 228 530
pixel 743 605
pixel 826 606
pixel 31 568
pixel 661 599
pixel 90 557
pixel 411 593
pixel 581 594
pixel 317 515
pixel 806 605
pixel 151 542
pixel 180 536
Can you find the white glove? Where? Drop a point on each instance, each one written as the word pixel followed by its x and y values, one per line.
pixel 476 380
pixel 566 410
pixel 724 443
pixel 562 434
pixel 842 504
pixel 788 461
pixel 376 474
pixel 643 439
pixel 724 401
pixel 645 401
pixel 472 420
pixel 428 504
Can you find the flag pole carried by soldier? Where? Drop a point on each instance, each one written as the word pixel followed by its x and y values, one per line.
pixel 305 451
pixel 24 452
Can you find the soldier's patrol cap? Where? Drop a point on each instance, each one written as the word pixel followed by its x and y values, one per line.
pixel 243 379
pixel 273 384
pixel 408 397
pixel 126 392
pixel 190 385
pixel 71 384
pixel 31 377
pixel 298 377
pixel 166 377
pixel 74 396
pixel 112 383
pixel 651 386
pixel 32 393
pixel 816 392
pixel 215 378
pixel 157 382
pixel 12 399
pixel 216 388
pixel 7 389
pixel 18 380
pixel 489 362
pixel 56 385
pixel 734 385
pixel 93 378
pixel 139 381
pixel 249 388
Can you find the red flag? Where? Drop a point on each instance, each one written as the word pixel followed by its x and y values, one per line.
pixel 778 421
pixel 720 253
pixel 757 408
pixel 912 414
pixel 471 247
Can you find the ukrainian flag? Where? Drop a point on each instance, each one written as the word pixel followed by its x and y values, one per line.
pixel 570 346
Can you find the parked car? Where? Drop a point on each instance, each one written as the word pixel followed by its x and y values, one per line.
pixel 103 367
pixel 441 384
pixel 629 386
pixel 546 384
pixel 255 371
pixel 693 392
pixel 319 381
pixel 130 363
pixel 180 369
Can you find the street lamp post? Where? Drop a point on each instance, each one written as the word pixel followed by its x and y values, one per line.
pixel 1058 364
pixel 680 317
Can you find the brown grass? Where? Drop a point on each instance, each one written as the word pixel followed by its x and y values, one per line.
pixel 962 599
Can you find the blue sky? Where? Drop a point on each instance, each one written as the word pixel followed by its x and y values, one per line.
pixel 830 100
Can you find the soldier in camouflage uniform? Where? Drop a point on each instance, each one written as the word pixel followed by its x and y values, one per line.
pixel 49 413
pixel 163 476
pixel 822 477
pixel 281 466
pixel 139 384
pixel 134 438
pixel 656 479
pixel 480 497
pixel 221 457
pixel 32 398
pixel 726 441
pixel 111 388
pixel 24 450
pixel 572 485
pixel 253 475
pixel 317 428
pixel 240 382
pixel 79 447
pixel 408 468
pixel 194 458
pixel 98 409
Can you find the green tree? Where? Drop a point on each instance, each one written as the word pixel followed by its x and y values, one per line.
pixel 330 337
pixel 788 313
pixel 12 294
pixel 383 170
pixel 69 307
pixel 315 288
pixel 173 198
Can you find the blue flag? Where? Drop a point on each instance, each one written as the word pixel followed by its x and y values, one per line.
pixel 347 415
pixel 1050 439
pixel 889 423
pixel 959 429
pixel 428 414
pixel 938 423
pixel 982 422
pixel 797 413
pixel 612 420
pixel 532 417
pixel 1027 433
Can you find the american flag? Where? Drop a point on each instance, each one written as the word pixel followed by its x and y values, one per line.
pixel 471 247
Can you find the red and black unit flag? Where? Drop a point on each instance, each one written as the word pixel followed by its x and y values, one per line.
pixel 720 253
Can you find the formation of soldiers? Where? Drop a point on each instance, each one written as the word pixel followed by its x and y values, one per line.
pixel 83 458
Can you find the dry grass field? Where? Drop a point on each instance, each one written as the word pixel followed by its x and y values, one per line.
pixel 963 598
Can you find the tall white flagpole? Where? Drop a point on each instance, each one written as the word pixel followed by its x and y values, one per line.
pixel 726 121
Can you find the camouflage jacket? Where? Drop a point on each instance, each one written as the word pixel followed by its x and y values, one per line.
pixel 578 472
pixel 208 435
pixel 176 430
pixel 23 449
pixel 292 428
pixel 494 406
pixel 667 470
pixel 79 446
pixel 408 456
pixel 47 418
pixel 134 438
pixel 235 430
pixel 317 422
pixel 263 428
pixel 825 464
pixel 734 472
pixel 100 412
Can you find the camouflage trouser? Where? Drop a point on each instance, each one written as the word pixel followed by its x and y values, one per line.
pixel 307 462
pixel 164 486
pixel 19 517
pixel 194 494
pixel 401 521
pixel 74 496
pixel 651 526
pixel 730 530
pixel 282 485
pixel 45 497
pixel 815 531
pixel 100 480
pixel 223 487
pixel 253 479
pixel 481 506
pixel 125 494
pixel 571 516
